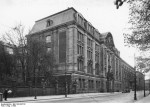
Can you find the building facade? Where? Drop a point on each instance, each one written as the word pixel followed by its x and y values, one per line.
pixel 88 58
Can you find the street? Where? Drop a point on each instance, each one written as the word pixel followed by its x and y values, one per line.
pixel 93 98
pixel 116 98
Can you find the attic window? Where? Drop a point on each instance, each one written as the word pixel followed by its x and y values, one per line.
pixel 49 23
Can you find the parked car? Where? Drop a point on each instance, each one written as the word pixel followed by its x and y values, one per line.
pixel 126 91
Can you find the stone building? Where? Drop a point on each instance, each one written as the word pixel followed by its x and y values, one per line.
pixel 87 58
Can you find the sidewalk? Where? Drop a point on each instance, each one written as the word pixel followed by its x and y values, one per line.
pixel 53 97
pixel 144 99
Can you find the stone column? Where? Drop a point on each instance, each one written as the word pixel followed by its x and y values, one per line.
pixel 93 42
pixel 85 52
pixel 56 46
pixel 75 48
pixel 71 48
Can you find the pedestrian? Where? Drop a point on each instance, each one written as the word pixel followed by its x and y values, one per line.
pixel 5 94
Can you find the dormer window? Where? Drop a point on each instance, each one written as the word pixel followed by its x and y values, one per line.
pixel 49 23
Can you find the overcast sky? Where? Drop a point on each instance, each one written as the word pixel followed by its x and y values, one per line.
pixel 102 14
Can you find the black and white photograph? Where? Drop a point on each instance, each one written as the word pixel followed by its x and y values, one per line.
pixel 74 51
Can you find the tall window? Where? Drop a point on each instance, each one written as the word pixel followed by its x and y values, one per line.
pixel 80 64
pixel 48 39
pixel 116 68
pixel 81 20
pixel 89 48
pixel 91 84
pixel 97 69
pixel 80 83
pixel 97 84
pixel 89 56
pixel 83 82
pixel 62 46
pixel 97 59
pixel 80 50
pixel 89 42
pixel 80 44
pixel 96 56
pixel 90 68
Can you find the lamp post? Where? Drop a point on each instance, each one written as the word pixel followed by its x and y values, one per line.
pixel 149 85
pixel 65 85
pixel 144 84
pixel 135 98
pixel 35 78
pixel 108 78
pixel 35 83
pixel 43 85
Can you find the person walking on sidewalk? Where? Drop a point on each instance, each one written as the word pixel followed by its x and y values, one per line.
pixel 5 94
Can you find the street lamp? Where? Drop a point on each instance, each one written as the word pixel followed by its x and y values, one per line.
pixel 149 85
pixel 135 98
pixel 65 85
pixel 144 84
pixel 35 84
pixel 35 78
pixel 108 78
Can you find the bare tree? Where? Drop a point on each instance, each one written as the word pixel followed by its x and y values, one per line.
pixel 41 62
pixel 7 63
pixel 16 37
pixel 31 55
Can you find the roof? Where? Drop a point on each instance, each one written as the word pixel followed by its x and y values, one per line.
pixel 57 13
pixel 104 37
pixel 57 19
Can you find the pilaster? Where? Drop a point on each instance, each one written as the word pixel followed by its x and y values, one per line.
pixel 75 48
pixel 85 52
pixel 93 57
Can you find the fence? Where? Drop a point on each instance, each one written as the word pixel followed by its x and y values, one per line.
pixel 30 91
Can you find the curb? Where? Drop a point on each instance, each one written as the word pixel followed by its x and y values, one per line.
pixel 80 96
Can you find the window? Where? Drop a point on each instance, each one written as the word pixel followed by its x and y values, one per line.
pixel 80 37
pixel 92 84
pixel 89 48
pixel 49 23
pixel 80 49
pixel 89 84
pixel 97 84
pixel 89 42
pixel 97 53
pixel 89 54
pixel 62 47
pixel 48 39
pixel 97 57
pixel 48 50
pixel 89 68
pixel 80 65
pixel 97 69
pixel 81 20
pixel 80 84
pixel 80 44
pixel 83 82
